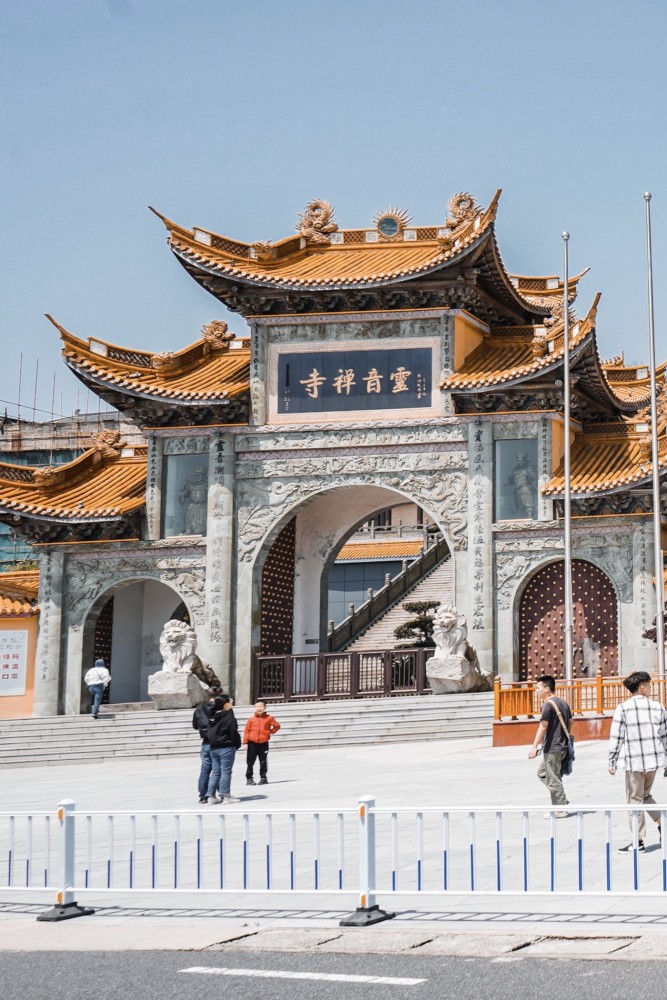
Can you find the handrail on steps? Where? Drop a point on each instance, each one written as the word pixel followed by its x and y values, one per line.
pixel 376 605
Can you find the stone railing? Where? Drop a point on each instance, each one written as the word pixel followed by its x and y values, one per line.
pixel 378 603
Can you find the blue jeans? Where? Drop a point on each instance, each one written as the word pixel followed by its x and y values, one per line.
pixel 97 690
pixel 205 772
pixel 222 762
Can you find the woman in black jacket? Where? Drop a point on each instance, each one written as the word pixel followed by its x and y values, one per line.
pixel 224 740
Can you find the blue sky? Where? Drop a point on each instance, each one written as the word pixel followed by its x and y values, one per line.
pixel 233 115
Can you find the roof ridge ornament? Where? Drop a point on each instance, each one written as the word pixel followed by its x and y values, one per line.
pixel 462 210
pixel 317 223
pixel 108 443
pixel 217 333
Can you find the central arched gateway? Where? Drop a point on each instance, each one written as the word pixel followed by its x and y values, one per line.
pixel 542 619
pixel 293 593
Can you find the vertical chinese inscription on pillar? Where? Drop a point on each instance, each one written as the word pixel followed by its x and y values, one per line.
pixel 215 569
pixel 477 475
pixel 643 574
pixel 46 606
pixel 152 490
pixel 545 469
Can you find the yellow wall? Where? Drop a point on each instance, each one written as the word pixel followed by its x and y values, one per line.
pixel 468 334
pixel 20 706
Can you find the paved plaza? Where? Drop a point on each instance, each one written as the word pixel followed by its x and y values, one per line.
pixel 437 775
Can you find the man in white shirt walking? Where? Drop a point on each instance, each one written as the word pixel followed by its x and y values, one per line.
pixel 97 678
pixel 638 744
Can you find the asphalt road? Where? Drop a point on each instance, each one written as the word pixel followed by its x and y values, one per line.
pixel 162 976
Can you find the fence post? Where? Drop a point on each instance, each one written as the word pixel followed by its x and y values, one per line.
pixel 368 912
pixel 66 906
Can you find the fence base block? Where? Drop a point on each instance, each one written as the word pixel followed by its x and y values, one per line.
pixel 65 911
pixel 364 916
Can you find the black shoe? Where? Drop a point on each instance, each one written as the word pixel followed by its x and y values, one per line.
pixel 250 781
pixel 203 799
pixel 263 781
pixel 630 847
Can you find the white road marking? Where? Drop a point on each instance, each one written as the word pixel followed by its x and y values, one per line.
pixel 320 976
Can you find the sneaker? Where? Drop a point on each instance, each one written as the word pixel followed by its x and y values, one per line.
pixel 250 781
pixel 203 799
pixel 263 781
pixel 629 847
pixel 231 798
pixel 563 815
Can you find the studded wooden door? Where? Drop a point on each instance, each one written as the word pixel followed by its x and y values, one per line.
pixel 542 618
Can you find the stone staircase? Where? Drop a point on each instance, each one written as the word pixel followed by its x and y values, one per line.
pixel 150 734
pixel 438 585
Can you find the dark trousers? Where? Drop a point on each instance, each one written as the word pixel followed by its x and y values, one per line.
pixel 255 751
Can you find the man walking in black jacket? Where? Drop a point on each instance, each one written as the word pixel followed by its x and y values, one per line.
pixel 200 721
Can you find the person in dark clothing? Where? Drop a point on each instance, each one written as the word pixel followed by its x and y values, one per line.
pixel 200 721
pixel 553 734
pixel 224 739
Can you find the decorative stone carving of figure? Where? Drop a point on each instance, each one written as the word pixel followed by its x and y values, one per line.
pixel 194 493
pixel 524 480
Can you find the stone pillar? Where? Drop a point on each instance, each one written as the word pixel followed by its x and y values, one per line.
pixel 247 628
pixel 258 374
pixel 216 645
pixel 447 361
pixel 47 656
pixel 479 585
pixel 154 488
pixel 74 670
pixel 634 652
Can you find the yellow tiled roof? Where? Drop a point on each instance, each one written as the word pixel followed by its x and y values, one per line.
pixel 88 487
pixel 198 372
pixel 607 459
pixel 351 259
pixel 20 584
pixel 380 550
pixel 16 609
pixel 500 358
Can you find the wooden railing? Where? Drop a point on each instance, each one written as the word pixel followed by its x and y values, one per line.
pixel 322 676
pixel 380 602
pixel 596 696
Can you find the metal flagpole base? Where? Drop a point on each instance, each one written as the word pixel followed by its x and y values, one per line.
pixel 364 916
pixel 65 911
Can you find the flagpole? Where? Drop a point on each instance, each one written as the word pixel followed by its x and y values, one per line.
pixel 657 520
pixel 568 627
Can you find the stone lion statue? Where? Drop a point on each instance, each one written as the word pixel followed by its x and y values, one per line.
pixel 454 667
pixel 178 645
pixel 450 633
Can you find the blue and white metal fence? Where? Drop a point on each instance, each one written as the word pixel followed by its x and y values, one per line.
pixel 365 852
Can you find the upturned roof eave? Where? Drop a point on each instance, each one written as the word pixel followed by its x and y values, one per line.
pixel 97 382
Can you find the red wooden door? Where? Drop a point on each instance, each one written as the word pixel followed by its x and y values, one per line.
pixel 542 617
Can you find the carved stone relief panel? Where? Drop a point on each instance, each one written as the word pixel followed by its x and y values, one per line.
pixel 185 445
pixel 330 435
pixel 261 507
pixel 86 579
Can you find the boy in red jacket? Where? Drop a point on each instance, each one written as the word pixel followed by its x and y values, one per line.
pixel 258 731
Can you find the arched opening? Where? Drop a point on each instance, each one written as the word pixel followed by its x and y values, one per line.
pixel 123 627
pixel 542 619
pixel 303 588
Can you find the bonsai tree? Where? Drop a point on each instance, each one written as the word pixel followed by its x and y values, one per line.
pixel 418 630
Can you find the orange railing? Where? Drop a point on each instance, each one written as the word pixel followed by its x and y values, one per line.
pixel 596 696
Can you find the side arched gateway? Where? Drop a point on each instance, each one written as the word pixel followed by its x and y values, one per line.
pixel 542 618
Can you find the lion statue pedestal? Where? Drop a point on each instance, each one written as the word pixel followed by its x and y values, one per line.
pixel 454 668
pixel 176 685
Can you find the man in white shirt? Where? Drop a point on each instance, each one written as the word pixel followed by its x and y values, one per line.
pixel 97 678
pixel 638 744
